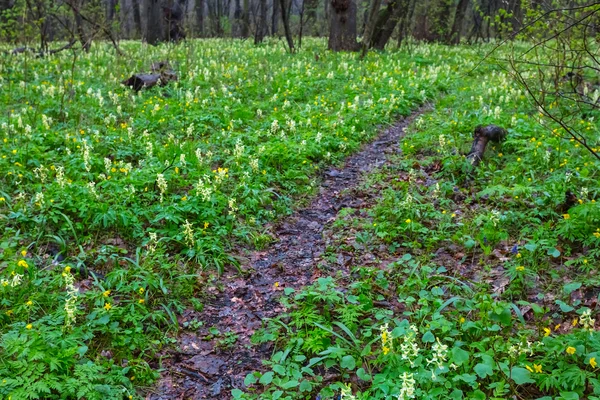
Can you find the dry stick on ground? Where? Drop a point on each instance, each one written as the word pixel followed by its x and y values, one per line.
pixel 481 136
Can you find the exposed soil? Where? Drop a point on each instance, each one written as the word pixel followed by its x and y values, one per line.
pixel 205 363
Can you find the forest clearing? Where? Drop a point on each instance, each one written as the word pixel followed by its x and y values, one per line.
pixel 217 218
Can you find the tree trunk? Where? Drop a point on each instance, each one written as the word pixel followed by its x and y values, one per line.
pixel 405 24
pixel 369 27
pixel 275 18
pixel 342 27
pixel 286 25
pixel 481 136
pixel 246 19
pixel 386 23
pixel 459 18
pixel 199 8
pixel 153 29
pixel 261 27
pixel 137 17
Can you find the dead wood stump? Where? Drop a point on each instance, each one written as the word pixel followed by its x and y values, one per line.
pixel 481 136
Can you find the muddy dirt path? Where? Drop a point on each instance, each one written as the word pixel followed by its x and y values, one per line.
pixel 215 358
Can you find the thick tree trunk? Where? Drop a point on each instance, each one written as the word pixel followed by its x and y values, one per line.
pixel 459 18
pixel 342 27
pixel 199 8
pixel 153 29
pixel 261 27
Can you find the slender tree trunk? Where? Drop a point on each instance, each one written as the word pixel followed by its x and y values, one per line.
pixel 342 28
pixel 275 18
pixel 261 27
pixel 405 24
pixel 370 26
pixel 199 8
pixel 459 18
pixel 286 25
pixel 301 24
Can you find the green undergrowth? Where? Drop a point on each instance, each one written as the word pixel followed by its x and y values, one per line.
pixel 493 290
pixel 113 203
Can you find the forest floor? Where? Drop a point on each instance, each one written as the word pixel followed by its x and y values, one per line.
pixel 201 365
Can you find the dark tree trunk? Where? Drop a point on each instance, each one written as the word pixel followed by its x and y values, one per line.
pixel 153 29
pixel 459 18
pixel 275 18
pixel 246 19
pixel 199 8
pixel 342 27
pixel 83 38
pixel 387 21
pixel 369 26
pixel 261 27
pixel 137 17
pixel 286 24
pixel 111 6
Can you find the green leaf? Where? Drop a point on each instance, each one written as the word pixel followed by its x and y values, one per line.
pixel 305 386
pixel 237 393
pixel 266 378
pixel 521 376
pixel 277 394
pixel 564 307
pixel 348 362
pixel 279 369
pixel 483 370
pixel 571 287
pixel 290 384
pixel 250 379
pixel 362 374
pixel 553 252
pixel 459 355
pixel 428 337
pixel 568 396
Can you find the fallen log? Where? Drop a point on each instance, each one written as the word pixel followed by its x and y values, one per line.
pixel 161 75
pixel 481 136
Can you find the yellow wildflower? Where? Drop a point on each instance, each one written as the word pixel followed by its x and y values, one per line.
pixel 24 253
pixel 29 303
pixel 547 331
pixel 408 221
pixel 67 269
pixel 537 368
pixel 107 306
pixel 571 350
pixel 28 326
pixel 520 268
pixel 141 290
pixel 106 293
pixel 529 368
pixel 23 263
pixel 593 362
pixel 566 216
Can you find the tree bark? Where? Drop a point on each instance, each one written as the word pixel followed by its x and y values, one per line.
pixel 457 25
pixel 275 18
pixel 137 16
pixel 153 30
pixel 246 19
pixel 286 25
pixel 199 8
pixel 370 25
pixel 387 21
pixel 261 27
pixel 481 136
pixel 342 27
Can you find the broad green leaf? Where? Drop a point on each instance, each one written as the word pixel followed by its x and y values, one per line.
pixel 521 376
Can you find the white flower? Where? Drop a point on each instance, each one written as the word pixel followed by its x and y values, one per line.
pixel 407 391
